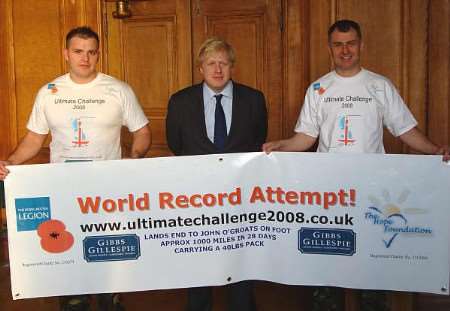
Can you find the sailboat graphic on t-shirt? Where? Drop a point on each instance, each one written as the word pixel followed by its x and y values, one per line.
pixel 346 136
pixel 79 135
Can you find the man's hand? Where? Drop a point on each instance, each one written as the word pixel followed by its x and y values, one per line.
pixel 298 142
pixel 3 170
pixel 271 146
pixel 444 151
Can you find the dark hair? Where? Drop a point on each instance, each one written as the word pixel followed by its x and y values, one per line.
pixel 84 32
pixel 344 25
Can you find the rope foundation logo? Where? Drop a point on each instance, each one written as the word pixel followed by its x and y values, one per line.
pixel 395 219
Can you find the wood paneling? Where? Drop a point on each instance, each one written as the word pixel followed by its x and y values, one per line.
pixel 7 87
pixel 296 45
pixel 150 51
pixel 253 28
pixel 438 111
pixel 321 14
pixel 37 54
pixel 281 47
pixel 37 51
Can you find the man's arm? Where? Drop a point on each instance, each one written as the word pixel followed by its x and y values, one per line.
pixel 260 130
pixel 142 140
pixel 27 149
pixel 298 142
pixel 173 127
pixel 419 142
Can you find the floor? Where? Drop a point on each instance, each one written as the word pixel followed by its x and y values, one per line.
pixel 269 297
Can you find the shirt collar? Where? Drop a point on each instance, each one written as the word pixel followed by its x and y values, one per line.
pixel 227 91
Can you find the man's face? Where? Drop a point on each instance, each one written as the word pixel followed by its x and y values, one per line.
pixel 82 56
pixel 345 49
pixel 216 70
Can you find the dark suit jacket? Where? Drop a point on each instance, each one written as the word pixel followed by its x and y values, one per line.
pixel 186 129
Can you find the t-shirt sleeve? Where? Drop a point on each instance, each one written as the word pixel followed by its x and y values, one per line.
pixel 397 117
pixel 308 122
pixel 134 117
pixel 37 122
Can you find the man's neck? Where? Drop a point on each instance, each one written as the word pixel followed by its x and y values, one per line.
pixel 348 73
pixel 82 80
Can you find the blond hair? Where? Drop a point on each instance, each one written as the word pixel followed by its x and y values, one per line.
pixel 212 45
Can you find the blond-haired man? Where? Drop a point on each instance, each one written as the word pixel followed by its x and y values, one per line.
pixel 217 116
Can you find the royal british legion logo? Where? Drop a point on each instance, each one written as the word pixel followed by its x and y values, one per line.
pixel 318 88
pixel 34 214
pixel 52 88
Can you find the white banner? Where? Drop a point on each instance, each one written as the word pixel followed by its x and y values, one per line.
pixel 358 221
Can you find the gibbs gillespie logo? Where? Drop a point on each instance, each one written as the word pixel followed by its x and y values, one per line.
pixel 394 219
pixel 34 214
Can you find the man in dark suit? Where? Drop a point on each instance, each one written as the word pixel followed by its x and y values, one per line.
pixel 217 116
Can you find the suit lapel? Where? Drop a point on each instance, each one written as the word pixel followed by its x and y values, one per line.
pixel 235 114
pixel 199 114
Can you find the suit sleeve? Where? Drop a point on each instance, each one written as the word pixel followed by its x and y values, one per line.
pixel 173 127
pixel 260 122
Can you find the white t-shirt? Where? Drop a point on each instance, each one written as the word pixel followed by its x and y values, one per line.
pixel 348 113
pixel 85 120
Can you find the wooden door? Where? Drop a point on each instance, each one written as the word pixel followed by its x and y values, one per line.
pixel 154 51
pixel 253 28
pixel 151 51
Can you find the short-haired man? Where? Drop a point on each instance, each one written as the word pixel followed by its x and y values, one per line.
pixel 347 108
pixel 84 110
pixel 217 116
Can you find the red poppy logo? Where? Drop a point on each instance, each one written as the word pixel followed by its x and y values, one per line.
pixel 54 237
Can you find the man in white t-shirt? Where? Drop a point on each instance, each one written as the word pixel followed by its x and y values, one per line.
pixel 84 110
pixel 347 108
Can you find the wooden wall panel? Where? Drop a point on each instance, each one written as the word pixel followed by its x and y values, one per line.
pixel 150 51
pixel 415 31
pixel 439 72
pixel 37 51
pixel 406 40
pixel 321 14
pixel 245 34
pixel 253 28
pixel 7 86
pixel 383 42
pixel 296 64
pixel 158 71
pixel 37 55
